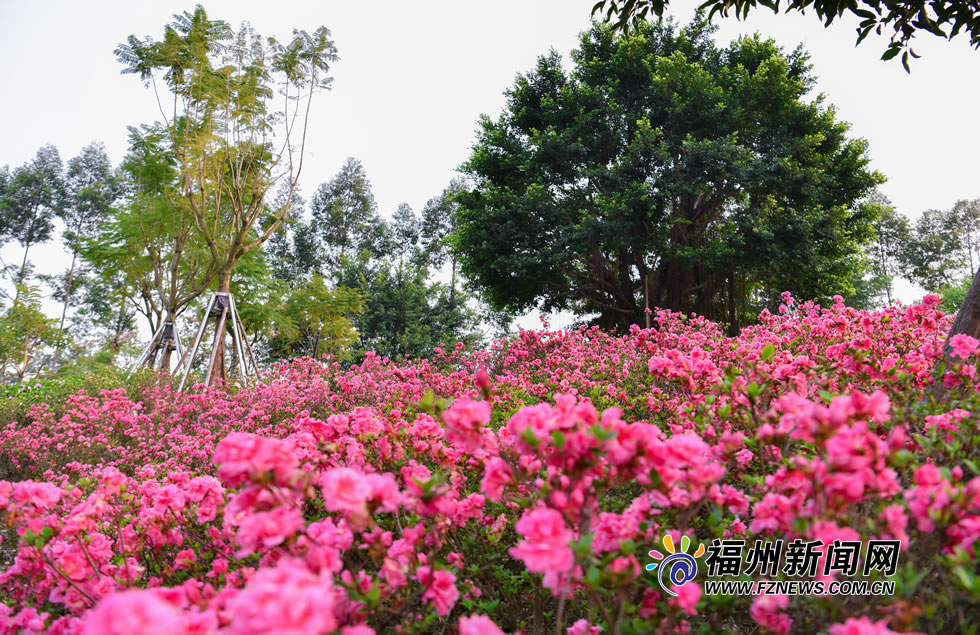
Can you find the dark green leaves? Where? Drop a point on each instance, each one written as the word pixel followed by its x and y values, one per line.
pixel 942 18
pixel 659 161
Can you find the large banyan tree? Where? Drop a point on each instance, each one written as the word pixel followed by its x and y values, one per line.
pixel 664 171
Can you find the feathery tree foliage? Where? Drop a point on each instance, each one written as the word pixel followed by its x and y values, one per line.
pixel 151 235
pixel 231 140
pixel 318 321
pixel 438 224
pixel 941 251
pixel 237 125
pixel 25 332
pixel 406 314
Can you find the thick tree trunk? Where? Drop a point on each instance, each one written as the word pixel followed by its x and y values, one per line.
pixel 967 322
pixel 677 284
pixel 732 308
pixel 677 273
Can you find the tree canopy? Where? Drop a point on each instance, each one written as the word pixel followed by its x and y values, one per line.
pixel 33 195
pixel 231 139
pixel 663 171
pixel 944 18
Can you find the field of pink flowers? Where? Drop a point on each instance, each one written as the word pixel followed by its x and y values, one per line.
pixel 517 488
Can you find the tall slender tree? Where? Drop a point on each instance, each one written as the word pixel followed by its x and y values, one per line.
pixel 237 126
pixel 92 188
pixel 438 225
pixel 891 234
pixel 345 217
pixel 967 215
pixel 34 197
pixel 406 230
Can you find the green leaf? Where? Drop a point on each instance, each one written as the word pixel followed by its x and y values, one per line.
pixel 558 438
pixel 427 404
pixel 965 577
pixel 529 437
pixel 592 577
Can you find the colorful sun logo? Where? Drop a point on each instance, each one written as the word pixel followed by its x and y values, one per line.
pixel 680 566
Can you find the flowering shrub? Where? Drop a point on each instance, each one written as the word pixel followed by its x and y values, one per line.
pixel 515 488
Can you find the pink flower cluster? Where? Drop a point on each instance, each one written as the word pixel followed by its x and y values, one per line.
pixel 330 499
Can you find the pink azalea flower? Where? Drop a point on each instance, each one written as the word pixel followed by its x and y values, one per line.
pixel 582 627
pixel 287 598
pixel 345 490
pixel 496 475
pixel 478 625
pixel 440 590
pixel 861 626
pixel 545 548
pixel 134 612
pixel 262 530
pixel 768 612
pixel 688 596
pixel 241 456
pixel 464 420
pixel 963 345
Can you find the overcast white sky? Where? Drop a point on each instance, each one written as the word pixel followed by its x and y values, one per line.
pixel 414 77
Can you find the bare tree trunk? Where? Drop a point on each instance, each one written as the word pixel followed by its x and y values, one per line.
pixel 116 342
pixel 22 370
pixel 64 308
pixel 452 283
pixel 23 267
pixel 646 299
pixel 967 322
pixel 71 276
pixel 677 273
pixel 732 308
